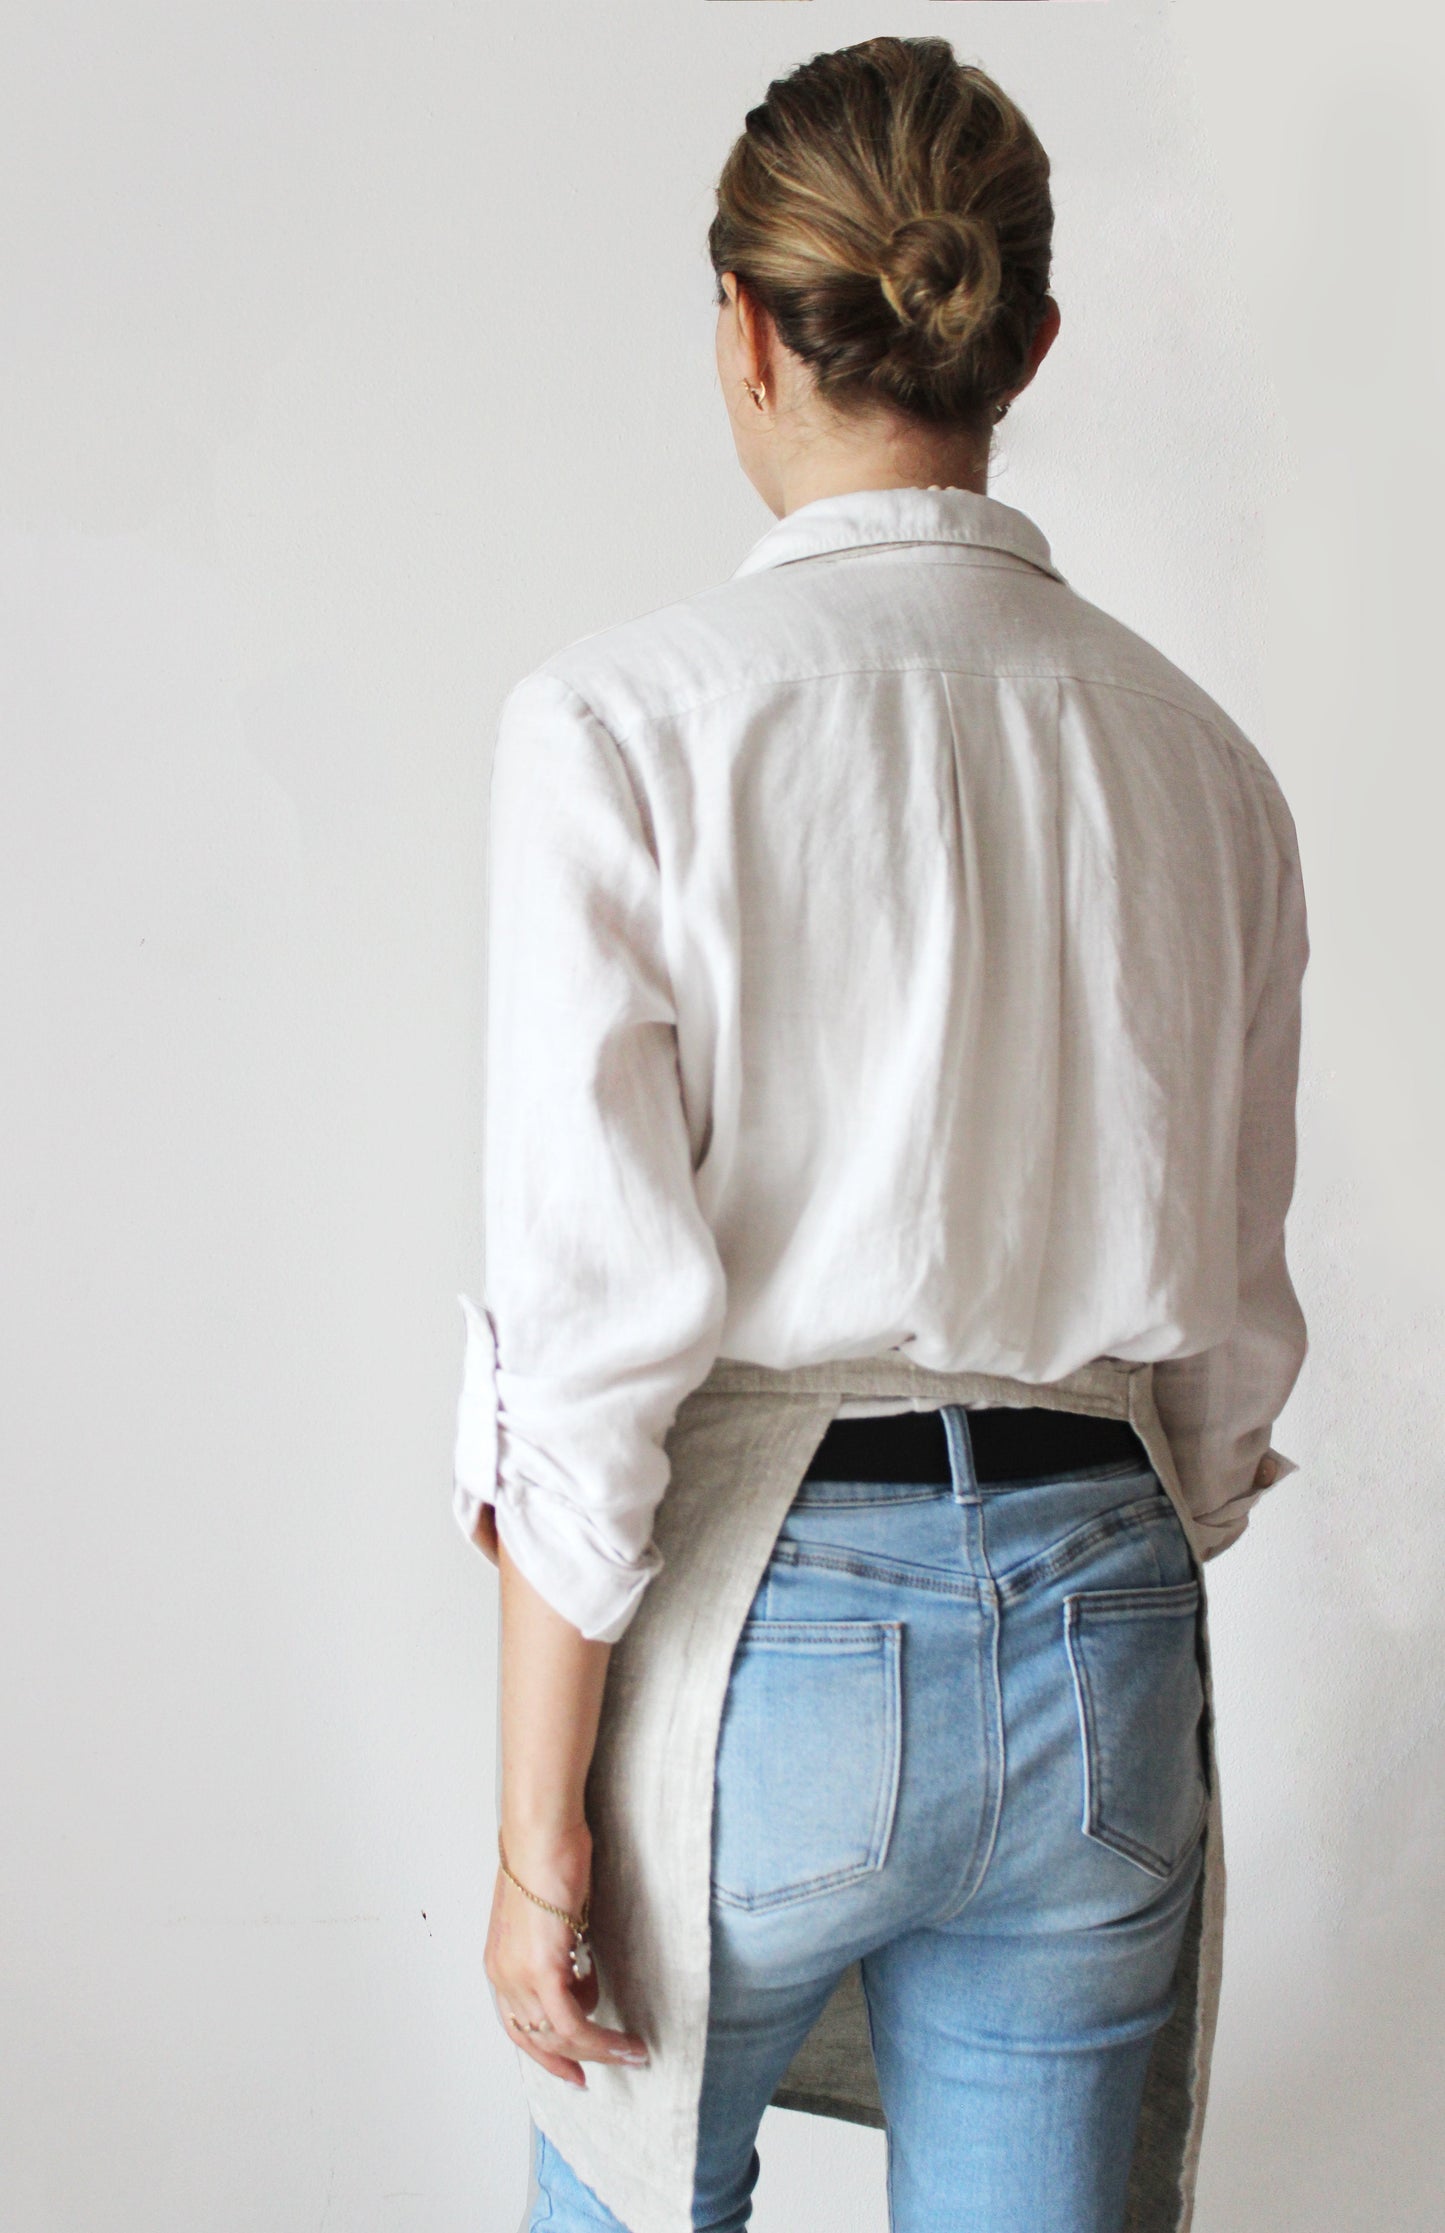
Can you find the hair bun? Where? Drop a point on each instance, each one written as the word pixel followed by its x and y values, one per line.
pixel 942 275
pixel 888 207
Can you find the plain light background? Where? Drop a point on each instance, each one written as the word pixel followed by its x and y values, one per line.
pixel 356 357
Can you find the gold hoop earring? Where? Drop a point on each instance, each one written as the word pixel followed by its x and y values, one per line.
pixel 757 393
pixel 1000 411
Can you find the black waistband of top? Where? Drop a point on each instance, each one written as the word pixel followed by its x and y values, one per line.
pixel 1030 1442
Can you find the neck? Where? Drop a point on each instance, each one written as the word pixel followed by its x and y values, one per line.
pixel 840 471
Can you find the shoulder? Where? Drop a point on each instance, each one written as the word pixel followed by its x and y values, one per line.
pixel 1104 652
pixel 756 638
pixel 670 661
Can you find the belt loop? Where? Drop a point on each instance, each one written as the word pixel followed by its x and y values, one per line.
pixel 960 1451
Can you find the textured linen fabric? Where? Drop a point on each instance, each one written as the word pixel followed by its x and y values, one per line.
pixel 890 952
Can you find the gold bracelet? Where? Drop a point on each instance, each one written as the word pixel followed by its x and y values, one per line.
pixel 581 1954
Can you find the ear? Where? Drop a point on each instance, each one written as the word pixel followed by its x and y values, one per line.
pixel 1045 334
pixel 755 330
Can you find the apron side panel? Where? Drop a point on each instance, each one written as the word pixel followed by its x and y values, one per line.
pixel 1164 2176
pixel 736 1463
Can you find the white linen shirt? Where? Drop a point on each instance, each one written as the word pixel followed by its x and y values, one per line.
pixel 890 950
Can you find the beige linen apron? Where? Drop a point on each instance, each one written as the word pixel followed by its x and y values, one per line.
pixel 740 1446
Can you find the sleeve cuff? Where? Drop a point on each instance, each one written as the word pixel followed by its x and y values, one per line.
pixel 551 1542
pixel 474 1457
pixel 1216 1535
pixel 1227 1522
pixel 555 1550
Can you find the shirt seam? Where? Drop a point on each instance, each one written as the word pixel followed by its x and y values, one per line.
pixel 1244 754
pixel 637 790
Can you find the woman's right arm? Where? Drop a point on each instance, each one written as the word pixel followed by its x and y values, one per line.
pixel 605 1298
pixel 605 1294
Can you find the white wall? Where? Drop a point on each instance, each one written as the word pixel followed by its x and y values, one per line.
pixel 344 348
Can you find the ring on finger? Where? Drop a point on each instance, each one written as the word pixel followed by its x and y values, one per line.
pixel 541 2025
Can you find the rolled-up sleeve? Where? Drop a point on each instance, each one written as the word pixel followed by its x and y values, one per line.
pixel 604 1291
pixel 1218 1407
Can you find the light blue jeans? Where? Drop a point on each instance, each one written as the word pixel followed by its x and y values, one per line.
pixel 963 1740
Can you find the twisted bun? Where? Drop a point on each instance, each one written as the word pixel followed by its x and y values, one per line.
pixel 942 276
pixel 888 206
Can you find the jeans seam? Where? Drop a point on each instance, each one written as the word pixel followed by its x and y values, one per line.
pixel 887 2126
pixel 894 1492
pixel 1073 1549
pixel 1014 1583
pixel 979 1859
pixel 999 1751
pixel 879 1569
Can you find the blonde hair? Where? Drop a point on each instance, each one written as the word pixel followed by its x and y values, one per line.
pixel 889 206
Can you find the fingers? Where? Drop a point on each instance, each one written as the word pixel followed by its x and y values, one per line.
pixel 561 2040
pixel 547 2012
pixel 534 2043
pixel 574 2033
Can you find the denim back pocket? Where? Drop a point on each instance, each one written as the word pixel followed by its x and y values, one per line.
pixel 1140 1699
pixel 808 1759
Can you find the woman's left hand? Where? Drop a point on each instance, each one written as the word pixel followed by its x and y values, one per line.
pixel 546 2009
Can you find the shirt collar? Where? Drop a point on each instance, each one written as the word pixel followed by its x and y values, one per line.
pixel 871 516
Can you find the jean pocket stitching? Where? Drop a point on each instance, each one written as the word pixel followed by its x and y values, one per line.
pixel 886 1636
pixel 1108 1605
pixel 887 1808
